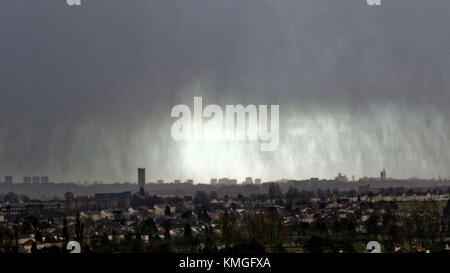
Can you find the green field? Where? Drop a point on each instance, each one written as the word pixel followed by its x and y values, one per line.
pixel 408 204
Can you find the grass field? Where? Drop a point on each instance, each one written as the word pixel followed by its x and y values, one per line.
pixel 409 204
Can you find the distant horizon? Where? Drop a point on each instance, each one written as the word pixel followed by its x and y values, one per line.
pixel 239 182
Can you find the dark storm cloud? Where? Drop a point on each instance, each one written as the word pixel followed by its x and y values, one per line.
pixel 86 92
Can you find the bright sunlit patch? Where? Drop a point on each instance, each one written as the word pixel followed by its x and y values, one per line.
pixel 235 123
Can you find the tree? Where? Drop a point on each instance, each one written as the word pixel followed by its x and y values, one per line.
pixel 79 228
pixel 399 191
pixel 105 246
pixel 275 191
pixel 336 228
pixel 370 195
pixel 16 235
pixel 114 241
pixel 6 238
pixel 30 223
pixel 201 198
pixel 429 226
pixel 34 247
pixel 316 244
pixel 320 226
pixel 336 192
pixel 138 244
pixel 166 225
pixel 227 224
pixel 127 243
pixel 305 196
pixel 241 198
pixel 446 211
pixel 167 233
pixel 141 191
pixel 25 198
pixel 65 231
pixel 372 226
pixel 209 240
pixel 391 230
pixel 38 236
pixel 188 239
pixel 167 210
pixel 69 196
pixel 149 228
pixel 187 235
pixel 352 193
pixel 267 229
pixel 213 195
pixel 320 194
pixel 292 194
pixel 11 197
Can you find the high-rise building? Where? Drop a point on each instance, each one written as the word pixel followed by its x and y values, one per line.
pixel 141 178
pixel 36 180
pixel 177 181
pixel 160 181
pixel 383 174
pixel 223 181
pixel 8 179
pixel 258 181
pixel 213 181
pixel 190 181
pixel 27 179
pixel 226 181
pixel 248 180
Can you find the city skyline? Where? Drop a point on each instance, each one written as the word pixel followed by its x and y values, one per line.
pixel 341 177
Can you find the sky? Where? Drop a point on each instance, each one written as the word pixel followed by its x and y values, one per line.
pixel 86 92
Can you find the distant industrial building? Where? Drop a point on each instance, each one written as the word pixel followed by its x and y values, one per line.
pixel 27 179
pixel 177 181
pixel 113 200
pixel 12 211
pixel 36 180
pixel 383 176
pixel 213 181
pixel 258 181
pixel 226 181
pixel 141 178
pixel 190 181
pixel 44 180
pixel 160 181
pixel 248 180
pixel 101 201
pixel 8 179
pixel 223 181
pixel 341 178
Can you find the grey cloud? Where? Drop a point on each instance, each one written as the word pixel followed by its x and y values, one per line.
pixel 86 92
